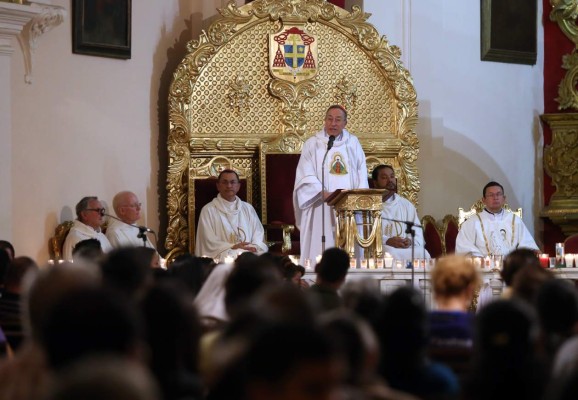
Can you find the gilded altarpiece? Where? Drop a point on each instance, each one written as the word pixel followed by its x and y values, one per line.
pixel 226 108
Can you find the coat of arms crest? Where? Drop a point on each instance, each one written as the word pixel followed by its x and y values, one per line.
pixel 293 54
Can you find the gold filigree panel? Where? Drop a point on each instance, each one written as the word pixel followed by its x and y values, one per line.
pixel 223 101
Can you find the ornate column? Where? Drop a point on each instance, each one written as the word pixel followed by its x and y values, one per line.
pixel 25 22
pixel 561 155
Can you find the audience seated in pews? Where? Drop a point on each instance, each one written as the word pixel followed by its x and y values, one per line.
pixel 10 302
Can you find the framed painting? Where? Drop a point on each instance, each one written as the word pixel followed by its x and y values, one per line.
pixel 509 30
pixel 101 28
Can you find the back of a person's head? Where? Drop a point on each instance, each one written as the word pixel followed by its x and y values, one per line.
pixel 104 378
pixel 364 298
pixel 172 328
pixel 7 247
pixel 4 263
pixel 46 289
pixel 557 305
pixel 127 270
pixel 333 266
pixel 246 279
pixel 527 283
pixel 402 328
pixel 16 272
pixel 452 275
pixel 89 322
pixel 87 250
pixel 191 270
pixel 517 260
pixel 506 331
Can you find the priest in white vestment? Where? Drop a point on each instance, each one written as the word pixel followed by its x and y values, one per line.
pixel 397 208
pixel 344 168
pixel 125 233
pixel 227 225
pixel 494 231
pixel 90 213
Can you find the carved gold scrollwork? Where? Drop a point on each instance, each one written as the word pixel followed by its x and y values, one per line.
pixel 293 97
pixel 239 93
pixel 347 93
pixel 561 163
pixel 366 34
pixel 564 12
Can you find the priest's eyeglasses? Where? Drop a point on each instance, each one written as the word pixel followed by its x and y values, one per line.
pixel 494 195
pixel 101 211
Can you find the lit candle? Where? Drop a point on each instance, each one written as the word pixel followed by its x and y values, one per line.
pixel 487 262
pixel 229 260
pixel 388 260
pixel 318 259
pixel 51 262
pixel 477 262
pixel 569 258
pixel 364 264
pixel 371 263
pixel 545 260
pixel 352 263
pixel 380 263
pixel 307 264
pixel 398 264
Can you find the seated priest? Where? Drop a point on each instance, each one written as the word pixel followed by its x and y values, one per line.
pixel 395 210
pixel 494 231
pixel 123 232
pixel 90 213
pixel 228 225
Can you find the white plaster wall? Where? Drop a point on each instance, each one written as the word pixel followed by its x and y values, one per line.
pixel 90 125
pixel 478 120
pixel 93 126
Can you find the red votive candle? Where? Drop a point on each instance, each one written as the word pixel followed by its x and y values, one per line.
pixel 545 260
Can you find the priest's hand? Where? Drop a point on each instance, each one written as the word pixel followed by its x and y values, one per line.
pixel 398 242
pixel 245 246
pixel 326 194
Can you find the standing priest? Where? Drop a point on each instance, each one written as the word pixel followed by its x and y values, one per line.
pixel 344 168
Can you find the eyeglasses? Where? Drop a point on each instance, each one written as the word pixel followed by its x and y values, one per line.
pixel 494 195
pixel 101 211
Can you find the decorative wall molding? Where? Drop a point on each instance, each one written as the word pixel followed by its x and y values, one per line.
pixel 27 22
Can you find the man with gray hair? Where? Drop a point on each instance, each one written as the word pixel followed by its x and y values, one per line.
pixel 90 213
pixel 125 233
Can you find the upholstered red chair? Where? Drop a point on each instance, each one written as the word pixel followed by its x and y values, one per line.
pixel 571 244
pixel 450 231
pixel 432 236
pixel 277 182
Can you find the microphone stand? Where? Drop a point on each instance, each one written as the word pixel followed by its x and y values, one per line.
pixel 329 146
pixel 142 230
pixel 409 225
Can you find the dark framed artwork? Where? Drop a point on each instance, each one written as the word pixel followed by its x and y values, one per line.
pixel 509 30
pixel 101 28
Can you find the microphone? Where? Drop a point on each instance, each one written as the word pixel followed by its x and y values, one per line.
pixel 139 227
pixel 330 142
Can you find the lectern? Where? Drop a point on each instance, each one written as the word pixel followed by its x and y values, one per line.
pixel 363 207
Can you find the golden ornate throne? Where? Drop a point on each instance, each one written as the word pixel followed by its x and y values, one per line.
pixel 241 98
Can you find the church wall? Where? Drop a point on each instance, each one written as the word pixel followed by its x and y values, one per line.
pixel 95 126
pixel 478 120
pixel 91 125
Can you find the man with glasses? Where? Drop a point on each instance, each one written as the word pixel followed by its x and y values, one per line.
pixel 228 225
pixel 90 213
pixel 125 233
pixel 493 231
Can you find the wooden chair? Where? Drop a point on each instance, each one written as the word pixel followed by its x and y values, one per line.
pixel 56 242
pixel 432 236
pixel 571 244
pixel 450 229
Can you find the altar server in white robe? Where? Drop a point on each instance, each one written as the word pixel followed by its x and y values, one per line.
pixel 344 168
pixel 494 231
pixel 396 241
pixel 90 213
pixel 125 233
pixel 228 225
